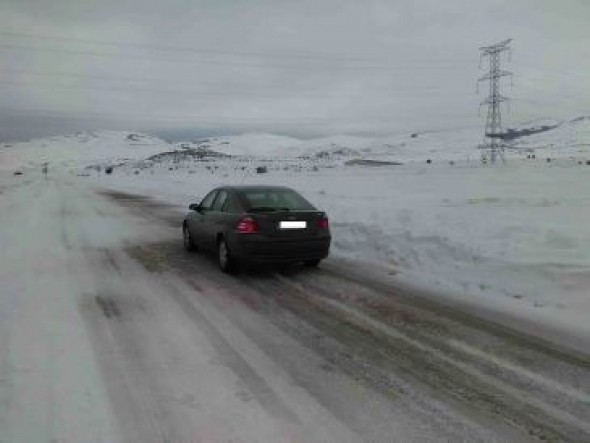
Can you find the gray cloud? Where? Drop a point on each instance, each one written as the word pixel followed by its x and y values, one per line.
pixel 301 68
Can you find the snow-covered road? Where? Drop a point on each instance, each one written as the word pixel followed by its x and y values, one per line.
pixel 110 332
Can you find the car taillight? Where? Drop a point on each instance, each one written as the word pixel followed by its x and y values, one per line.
pixel 247 225
pixel 323 223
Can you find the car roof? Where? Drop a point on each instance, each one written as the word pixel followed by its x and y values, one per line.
pixel 254 187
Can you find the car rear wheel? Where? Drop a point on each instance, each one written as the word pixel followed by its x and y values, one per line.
pixel 226 262
pixel 189 244
pixel 312 263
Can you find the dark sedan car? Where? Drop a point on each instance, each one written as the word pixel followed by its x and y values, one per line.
pixel 257 224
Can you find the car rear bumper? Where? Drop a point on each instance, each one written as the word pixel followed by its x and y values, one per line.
pixel 268 251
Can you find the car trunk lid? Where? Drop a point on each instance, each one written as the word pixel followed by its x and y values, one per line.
pixel 289 224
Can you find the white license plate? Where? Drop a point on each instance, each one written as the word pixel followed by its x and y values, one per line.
pixel 292 225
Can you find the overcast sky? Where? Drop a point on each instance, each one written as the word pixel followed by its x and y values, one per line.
pixel 304 68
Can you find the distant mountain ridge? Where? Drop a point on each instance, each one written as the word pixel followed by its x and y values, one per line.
pixel 451 144
pixel 566 138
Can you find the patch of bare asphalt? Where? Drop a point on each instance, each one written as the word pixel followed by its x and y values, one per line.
pixel 124 196
pixel 417 352
pixel 146 206
pixel 108 306
pixel 154 259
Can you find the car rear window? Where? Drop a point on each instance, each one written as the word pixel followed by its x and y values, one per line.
pixel 274 199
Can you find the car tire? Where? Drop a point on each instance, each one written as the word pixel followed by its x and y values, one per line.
pixel 226 262
pixel 312 263
pixel 189 243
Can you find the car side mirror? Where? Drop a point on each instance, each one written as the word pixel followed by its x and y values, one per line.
pixel 194 206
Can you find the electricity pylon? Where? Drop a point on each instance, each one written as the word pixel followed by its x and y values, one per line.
pixel 493 145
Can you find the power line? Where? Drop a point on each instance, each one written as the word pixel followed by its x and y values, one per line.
pixel 557 73
pixel 201 51
pixel 184 49
pixel 28 72
pixel 187 118
pixel 328 57
pixel 182 92
pixel 188 92
pixel 313 120
pixel 298 66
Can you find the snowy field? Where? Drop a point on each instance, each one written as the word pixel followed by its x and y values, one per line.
pixel 513 237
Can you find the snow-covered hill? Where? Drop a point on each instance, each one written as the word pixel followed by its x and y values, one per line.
pixel 81 149
pixel 563 138
pixel 273 145
pixel 555 138
pixel 552 138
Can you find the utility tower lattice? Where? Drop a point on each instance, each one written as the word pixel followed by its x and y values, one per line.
pixel 493 146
